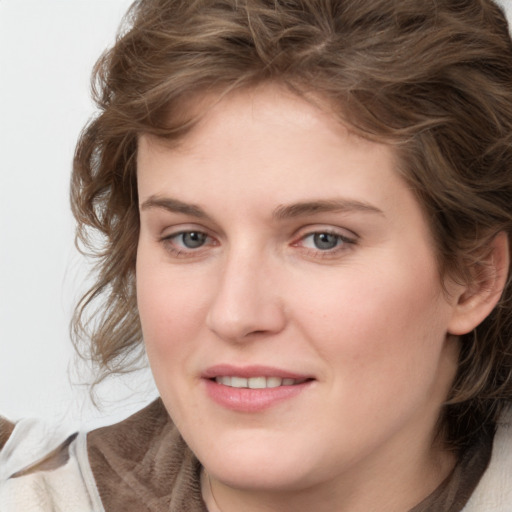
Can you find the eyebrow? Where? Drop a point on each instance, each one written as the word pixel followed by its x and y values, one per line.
pixel 174 206
pixel 282 212
pixel 303 209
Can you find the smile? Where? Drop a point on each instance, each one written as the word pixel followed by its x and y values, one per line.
pixel 257 382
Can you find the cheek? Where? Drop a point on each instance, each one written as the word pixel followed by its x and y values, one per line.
pixel 169 311
pixel 169 327
pixel 381 325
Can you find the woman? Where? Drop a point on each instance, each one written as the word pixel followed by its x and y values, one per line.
pixel 305 212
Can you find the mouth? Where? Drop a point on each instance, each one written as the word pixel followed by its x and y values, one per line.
pixel 253 389
pixel 257 382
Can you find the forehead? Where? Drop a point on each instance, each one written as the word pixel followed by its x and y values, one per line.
pixel 268 128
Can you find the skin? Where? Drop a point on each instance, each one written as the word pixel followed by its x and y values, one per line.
pixel 365 315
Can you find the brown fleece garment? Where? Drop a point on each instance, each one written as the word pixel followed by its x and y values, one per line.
pixel 143 465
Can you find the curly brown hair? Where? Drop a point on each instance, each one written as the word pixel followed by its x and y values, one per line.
pixel 432 78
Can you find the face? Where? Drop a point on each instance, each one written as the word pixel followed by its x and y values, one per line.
pixel 290 302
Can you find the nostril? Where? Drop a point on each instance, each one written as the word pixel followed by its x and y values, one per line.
pixel 252 333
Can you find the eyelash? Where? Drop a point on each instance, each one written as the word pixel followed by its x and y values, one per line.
pixel 343 243
pixel 183 252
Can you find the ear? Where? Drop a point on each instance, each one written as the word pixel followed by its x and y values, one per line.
pixel 475 301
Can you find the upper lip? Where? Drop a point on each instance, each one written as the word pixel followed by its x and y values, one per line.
pixel 227 370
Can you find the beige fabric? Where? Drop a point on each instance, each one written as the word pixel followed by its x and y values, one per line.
pixel 43 471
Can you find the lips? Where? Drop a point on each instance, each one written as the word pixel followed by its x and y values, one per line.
pixel 226 370
pixel 252 388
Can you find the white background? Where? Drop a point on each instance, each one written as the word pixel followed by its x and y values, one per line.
pixel 47 50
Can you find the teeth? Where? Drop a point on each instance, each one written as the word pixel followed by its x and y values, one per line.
pixel 274 382
pixel 238 382
pixel 255 382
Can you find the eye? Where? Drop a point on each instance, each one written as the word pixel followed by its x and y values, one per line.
pixel 324 241
pixel 191 239
pixel 187 243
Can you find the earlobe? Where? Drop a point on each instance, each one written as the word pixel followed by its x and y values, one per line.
pixel 476 300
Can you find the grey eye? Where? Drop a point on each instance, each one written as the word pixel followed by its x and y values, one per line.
pixel 325 241
pixel 193 239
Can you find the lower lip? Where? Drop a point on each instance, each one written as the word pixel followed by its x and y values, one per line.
pixel 251 400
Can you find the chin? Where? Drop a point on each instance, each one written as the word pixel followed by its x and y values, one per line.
pixel 259 477
pixel 259 465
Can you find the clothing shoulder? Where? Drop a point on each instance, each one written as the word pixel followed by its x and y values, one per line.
pixel 494 492
pixel 43 469
pixel 142 464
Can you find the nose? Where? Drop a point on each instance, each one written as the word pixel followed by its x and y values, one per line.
pixel 246 302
